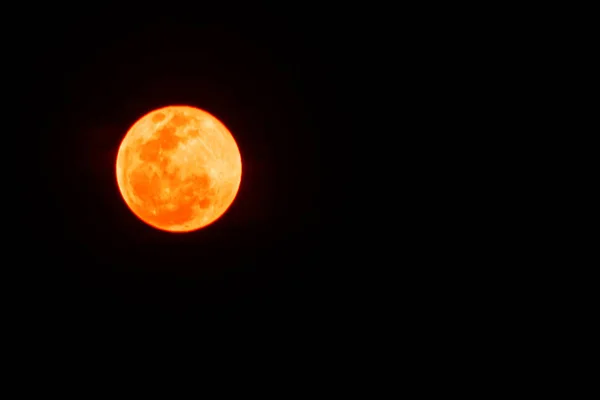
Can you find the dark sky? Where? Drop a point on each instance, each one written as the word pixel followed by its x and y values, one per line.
pixel 272 79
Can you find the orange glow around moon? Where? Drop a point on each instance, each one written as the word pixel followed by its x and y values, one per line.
pixel 178 168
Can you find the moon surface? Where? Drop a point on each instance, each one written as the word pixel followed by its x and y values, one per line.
pixel 178 168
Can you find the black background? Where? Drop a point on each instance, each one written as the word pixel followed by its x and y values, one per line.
pixel 350 198
pixel 273 78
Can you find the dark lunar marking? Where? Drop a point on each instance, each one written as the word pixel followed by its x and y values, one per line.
pixel 182 214
pixel 204 203
pixel 201 181
pixel 126 153
pixel 150 150
pixel 193 133
pixel 179 120
pixel 188 192
pixel 167 138
pixel 198 185
pixel 145 186
pixel 158 117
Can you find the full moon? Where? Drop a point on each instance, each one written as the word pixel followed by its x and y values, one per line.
pixel 178 168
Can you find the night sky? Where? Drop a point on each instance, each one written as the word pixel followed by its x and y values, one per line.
pixel 273 80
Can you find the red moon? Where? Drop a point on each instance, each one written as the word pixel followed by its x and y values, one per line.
pixel 178 168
